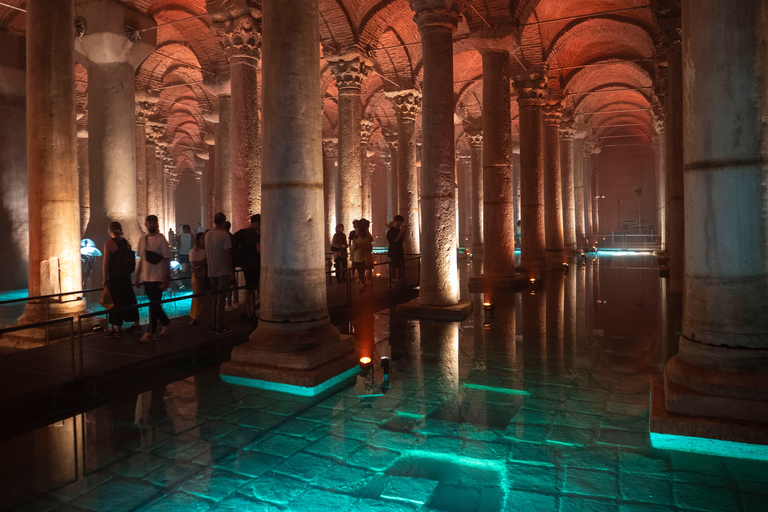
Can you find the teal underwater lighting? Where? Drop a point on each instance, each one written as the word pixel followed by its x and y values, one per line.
pixel 288 388
pixel 606 252
pixel 495 389
pixel 706 446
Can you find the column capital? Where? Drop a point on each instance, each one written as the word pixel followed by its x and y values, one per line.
pixel 329 147
pixel 349 70
pixel 154 132
pixel 657 115
pixel 237 24
pixel 391 138
pixel 463 158
pixel 552 112
pixel 407 103
pixel 146 108
pixel 475 138
pixel 437 13
pixel 591 147
pixel 366 127
pixel 531 88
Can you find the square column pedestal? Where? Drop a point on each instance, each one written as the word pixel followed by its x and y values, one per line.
pixel 293 362
pixel 700 434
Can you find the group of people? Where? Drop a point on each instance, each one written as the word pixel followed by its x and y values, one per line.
pixel 212 255
pixel 360 245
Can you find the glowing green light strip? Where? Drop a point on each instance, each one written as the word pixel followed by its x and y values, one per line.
pixel 288 388
pixel 709 446
pixel 604 252
pixel 507 391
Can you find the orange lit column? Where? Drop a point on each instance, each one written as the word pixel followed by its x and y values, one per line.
pixel 595 189
pixel 498 191
pixel 365 173
pixel 54 211
pixel 566 171
pixel 587 147
pixel 437 20
pixel 530 97
pixel 349 71
pixel 295 342
pixel 391 139
pixel 476 184
pixel 223 184
pixel 553 189
pixel 407 104
pixel 659 153
pixel 329 189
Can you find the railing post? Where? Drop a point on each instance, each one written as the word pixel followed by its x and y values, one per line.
pixel 47 327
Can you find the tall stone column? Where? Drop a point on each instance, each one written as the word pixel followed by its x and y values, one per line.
pixel 673 116
pixel 589 197
pixel 579 194
pixel 394 182
pixel 566 171
pixel 54 212
pixel 498 215
pixel 465 187
pixel 329 189
pixel 239 28
pixel 83 179
pixel 349 71
pixel 209 186
pixel 659 153
pixel 295 342
pixel 407 104
pixel 516 182
pixel 144 109
pixel 154 171
pixel 223 185
pixel 595 189
pixel 553 189
pixel 111 58
pixel 720 370
pixel 531 89
pixel 475 138
pixel 437 20
pixel 366 126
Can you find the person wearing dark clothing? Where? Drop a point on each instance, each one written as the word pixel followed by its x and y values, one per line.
pixel 339 247
pixel 353 233
pixel 117 279
pixel 396 253
pixel 248 243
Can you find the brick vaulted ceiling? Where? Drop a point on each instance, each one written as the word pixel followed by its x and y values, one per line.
pixel 599 56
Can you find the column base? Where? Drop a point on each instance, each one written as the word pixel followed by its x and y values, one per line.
pixel 38 311
pixel 258 365
pixel 700 434
pixel 483 284
pixel 455 313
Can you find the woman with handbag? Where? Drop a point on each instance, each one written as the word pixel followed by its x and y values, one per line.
pixel 199 263
pixel 117 268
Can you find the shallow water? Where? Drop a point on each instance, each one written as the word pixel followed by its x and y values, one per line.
pixel 541 404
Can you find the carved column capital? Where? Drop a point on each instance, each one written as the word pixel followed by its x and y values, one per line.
pixel 366 128
pixel 391 139
pixel 154 131
pixel 237 23
pixel 552 112
pixel 657 115
pixel 145 109
pixel 407 103
pixel 329 147
pixel 437 13
pixel 475 138
pixel 531 88
pixel 567 125
pixel 349 70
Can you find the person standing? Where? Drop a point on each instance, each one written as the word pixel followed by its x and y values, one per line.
pixel 396 253
pixel 155 272
pixel 117 270
pixel 199 262
pixel 186 241
pixel 232 301
pixel 218 251
pixel 248 242
pixel 339 247
pixel 362 252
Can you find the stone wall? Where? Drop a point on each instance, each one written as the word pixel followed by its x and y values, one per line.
pixel 14 249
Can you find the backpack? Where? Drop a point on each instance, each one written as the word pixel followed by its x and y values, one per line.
pixel 125 260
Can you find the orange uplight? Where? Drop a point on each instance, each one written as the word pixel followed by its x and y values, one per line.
pixel 533 280
pixel 487 304
pixel 378 275
pixel 365 360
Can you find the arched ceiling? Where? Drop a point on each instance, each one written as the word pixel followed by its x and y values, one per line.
pixel 598 55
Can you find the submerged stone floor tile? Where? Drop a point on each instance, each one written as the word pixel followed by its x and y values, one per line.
pixel 304 466
pixel 214 484
pixel 274 488
pixel 320 500
pixel 646 488
pixel 249 463
pixel 117 494
pixel 239 503
pixel 178 502
pixel 700 497
pixel 521 500
pixel 591 482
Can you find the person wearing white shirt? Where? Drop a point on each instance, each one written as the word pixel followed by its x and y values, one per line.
pixel 218 250
pixel 154 271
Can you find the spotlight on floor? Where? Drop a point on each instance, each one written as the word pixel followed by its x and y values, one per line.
pixel 365 363
pixel 385 368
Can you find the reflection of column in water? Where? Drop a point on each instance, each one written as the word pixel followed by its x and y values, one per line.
pixel 478 331
pixel 412 337
pixel 534 320
pixel 596 294
pixel 466 350
pixel 581 304
pixel 503 330
pixel 664 335
pixel 570 315
pixel 555 296
pixel 448 361
pixel 364 336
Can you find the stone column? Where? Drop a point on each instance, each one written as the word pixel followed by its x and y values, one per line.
pixel 366 126
pixel 394 182
pixel 295 342
pixel 516 182
pixel 589 197
pixel 349 71
pixel 673 113
pixel 659 153
pixel 407 104
pixel 144 109
pixel 566 171
pixel 579 194
pixel 464 162
pixel 531 90
pixel 498 215
pixel 154 170
pixel 54 212
pixel 209 185
pixel 437 20
pixel 111 50
pixel 476 161
pixel 553 189
pixel 720 370
pixel 329 189
pixel 595 190
pixel 83 180
pixel 223 185
pixel 238 26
